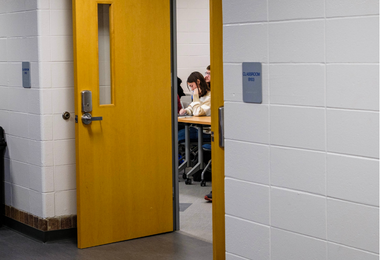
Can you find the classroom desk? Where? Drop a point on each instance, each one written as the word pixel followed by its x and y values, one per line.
pixel 199 122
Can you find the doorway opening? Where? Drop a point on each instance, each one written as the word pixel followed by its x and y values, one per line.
pixel 193 54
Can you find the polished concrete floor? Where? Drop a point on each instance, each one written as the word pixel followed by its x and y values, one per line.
pixel 192 242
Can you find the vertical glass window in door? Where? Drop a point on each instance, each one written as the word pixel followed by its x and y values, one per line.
pixel 104 52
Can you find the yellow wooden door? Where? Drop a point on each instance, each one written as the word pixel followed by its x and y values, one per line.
pixel 124 161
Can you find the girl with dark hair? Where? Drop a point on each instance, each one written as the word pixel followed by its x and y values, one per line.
pixel 201 105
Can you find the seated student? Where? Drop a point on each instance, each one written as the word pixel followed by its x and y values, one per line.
pixel 201 105
pixel 180 94
pixel 208 81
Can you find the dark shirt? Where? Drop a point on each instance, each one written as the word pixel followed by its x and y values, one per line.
pixel 179 104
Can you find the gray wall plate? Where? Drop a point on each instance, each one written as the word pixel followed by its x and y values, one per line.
pixel 26 75
pixel 252 82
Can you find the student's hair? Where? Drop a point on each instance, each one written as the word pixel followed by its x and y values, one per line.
pixel 208 83
pixel 180 90
pixel 203 88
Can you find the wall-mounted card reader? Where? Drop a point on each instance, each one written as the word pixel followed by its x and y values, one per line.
pixel 252 82
pixel 26 83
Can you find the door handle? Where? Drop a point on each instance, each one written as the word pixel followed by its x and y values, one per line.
pixel 221 126
pixel 87 118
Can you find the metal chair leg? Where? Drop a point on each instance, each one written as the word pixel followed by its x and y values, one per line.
pixel 203 182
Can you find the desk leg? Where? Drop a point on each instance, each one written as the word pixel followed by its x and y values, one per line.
pixel 199 165
pixel 200 143
pixel 186 162
pixel 187 144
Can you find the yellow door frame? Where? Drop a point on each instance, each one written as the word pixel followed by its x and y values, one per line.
pixel 217 153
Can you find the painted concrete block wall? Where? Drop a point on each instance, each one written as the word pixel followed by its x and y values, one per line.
pixel 302 168
pixel 40 158
pixel 193 38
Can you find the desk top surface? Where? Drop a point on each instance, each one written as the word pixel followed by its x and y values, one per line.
pixel 200 120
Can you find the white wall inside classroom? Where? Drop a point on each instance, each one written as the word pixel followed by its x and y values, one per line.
pixel 193 38
pixel 302 168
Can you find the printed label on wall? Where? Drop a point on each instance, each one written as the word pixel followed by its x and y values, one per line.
pixel 26 75
pixel 252 82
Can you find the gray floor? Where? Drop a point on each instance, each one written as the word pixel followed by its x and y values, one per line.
pixel 170 246
pixel 193 242
pixel 196 220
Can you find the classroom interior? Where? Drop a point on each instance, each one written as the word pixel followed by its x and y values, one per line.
pixel 193 54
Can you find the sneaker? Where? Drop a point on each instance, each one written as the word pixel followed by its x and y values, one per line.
pixel 209 196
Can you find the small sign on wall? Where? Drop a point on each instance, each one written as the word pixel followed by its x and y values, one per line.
pixel 26 75
pixel 252 82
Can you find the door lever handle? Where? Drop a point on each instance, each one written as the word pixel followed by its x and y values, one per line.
pixel 87 118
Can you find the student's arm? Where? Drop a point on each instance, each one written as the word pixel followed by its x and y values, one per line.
pixel 189 109
pixel 199 108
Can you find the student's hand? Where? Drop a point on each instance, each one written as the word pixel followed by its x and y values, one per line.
pixel 195 92
pixel 182 111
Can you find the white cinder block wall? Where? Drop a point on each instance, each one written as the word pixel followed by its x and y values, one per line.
pixel 19 108
pixel 302 168
pixel 193 38
pixel 40 158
